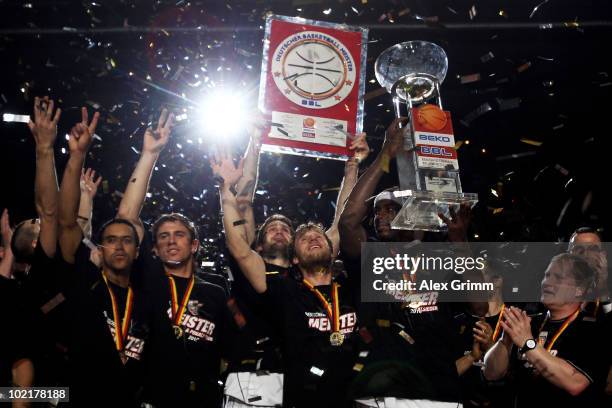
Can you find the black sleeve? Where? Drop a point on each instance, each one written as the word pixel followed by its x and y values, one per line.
pixel 229 331
pixel 274 293
pixel 586 351
pixel 45 272
pixel 85 272
pixel 241 287
pixel 16 316
pixel 450 330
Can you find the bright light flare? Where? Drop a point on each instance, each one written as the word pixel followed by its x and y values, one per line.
pixel 224 114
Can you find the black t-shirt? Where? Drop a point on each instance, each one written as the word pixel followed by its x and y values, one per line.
pixel 185 370
pixel 97 374
pixel 584 345
pixel 316 372
pixel 255 342
pixel 48 316
pixel 474 386
pixel 191 360
pixel 409 350
pixel 15 316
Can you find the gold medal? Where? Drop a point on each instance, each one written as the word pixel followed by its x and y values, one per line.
pixel 178 310
pixel 336 339
pixel 332 310
pixel 121 326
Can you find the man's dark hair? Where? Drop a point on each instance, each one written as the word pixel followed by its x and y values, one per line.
pixel 304 228
pixel 175 217
pixel 118 221
pixel 261 232
pixel 21 242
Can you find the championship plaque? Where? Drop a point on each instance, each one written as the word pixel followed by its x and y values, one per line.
pixel 312 86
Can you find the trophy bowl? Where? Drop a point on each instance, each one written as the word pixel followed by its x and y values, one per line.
pixel 410 70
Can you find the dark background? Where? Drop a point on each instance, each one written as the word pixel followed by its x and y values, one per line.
pixel 548 81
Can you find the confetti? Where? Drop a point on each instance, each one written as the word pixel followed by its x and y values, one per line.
pixel 467 79
pixel 476 113
pixel 536 8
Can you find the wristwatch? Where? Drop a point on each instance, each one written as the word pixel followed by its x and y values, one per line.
pixel 530 344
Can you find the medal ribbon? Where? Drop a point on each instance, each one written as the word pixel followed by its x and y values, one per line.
pixel 179 310
pixel 333 310
pixel 498 325
pixel 121 326
pixel 566 323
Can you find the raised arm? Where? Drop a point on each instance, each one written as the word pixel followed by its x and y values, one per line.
pixel 557 371
pixel 6 264
pixel 89 188
pixel 22 377
pixel 44 130
pixel 136 190
pixel 351 171
pixel 80 139
pixel 250 262
pixel 246 185
pixel 497 359
pixel 352 233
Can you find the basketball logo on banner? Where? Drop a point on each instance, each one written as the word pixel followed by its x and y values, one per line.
pixel 313 69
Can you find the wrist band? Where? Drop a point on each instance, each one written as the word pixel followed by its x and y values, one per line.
pixel 239 222
pixel 82 218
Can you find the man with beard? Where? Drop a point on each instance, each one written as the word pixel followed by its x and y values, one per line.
pixel 184 368
pixel 412 353
pixel 247 183
pixel 559 361
pixel 315 317
pixel 255 368
pixel 255 361
pixel 256 357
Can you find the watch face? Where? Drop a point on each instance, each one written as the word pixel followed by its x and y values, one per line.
pixel 313 70
pixel 531 344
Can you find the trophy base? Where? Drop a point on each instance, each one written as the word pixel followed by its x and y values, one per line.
pixel 421 208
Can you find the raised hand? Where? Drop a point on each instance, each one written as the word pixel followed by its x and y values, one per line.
pixel 476 351
pixel 223 166
pixel 257 121
pixel 360 146
pixel 82 133
pixel 483 334
pixel 89 183
pixel 458 223
pixel 394 137
pixel 44 126
pixel 517 325
pixel 5 229
pixel 156 140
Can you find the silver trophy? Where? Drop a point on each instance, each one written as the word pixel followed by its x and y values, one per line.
pixel 427 167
